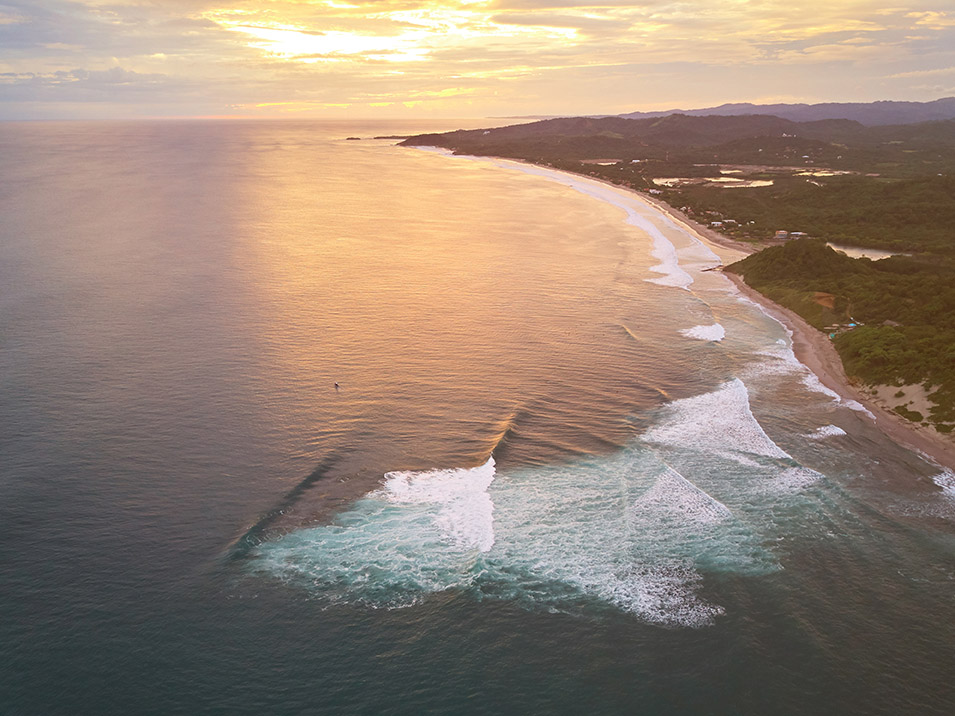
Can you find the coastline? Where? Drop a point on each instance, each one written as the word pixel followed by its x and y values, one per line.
pixel 815 351
pixel 811 347
pixel 702 231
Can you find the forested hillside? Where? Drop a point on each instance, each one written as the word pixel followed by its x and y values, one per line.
pixel 905 305
pixel 911 215
pixel 889 187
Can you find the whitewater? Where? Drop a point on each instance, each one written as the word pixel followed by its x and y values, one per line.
pixel 696 492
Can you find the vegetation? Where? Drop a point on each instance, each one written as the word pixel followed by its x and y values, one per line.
pixel 905 305
pixel 888 187
pixel 900 151
pixel 914 215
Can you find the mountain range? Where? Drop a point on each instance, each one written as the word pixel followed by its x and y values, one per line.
pixel 871 114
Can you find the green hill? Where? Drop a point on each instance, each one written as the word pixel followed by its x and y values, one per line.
pixel 905 308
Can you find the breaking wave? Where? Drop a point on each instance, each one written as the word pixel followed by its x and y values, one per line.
pixel 779 359
pixel 714 332
pixel 626 530
pixel 421 532
pixel 826 431
pixel 464 514
pixel 858 407
pixel 636 529
pixel 718 423
pixel 946 481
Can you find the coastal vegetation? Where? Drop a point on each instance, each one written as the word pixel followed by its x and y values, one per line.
pixel 892 321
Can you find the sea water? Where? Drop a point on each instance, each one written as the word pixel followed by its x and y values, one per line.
pixel 563 470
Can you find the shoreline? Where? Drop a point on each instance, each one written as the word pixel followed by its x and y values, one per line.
pixel 814 350
pixel 703 232
pixel 811 347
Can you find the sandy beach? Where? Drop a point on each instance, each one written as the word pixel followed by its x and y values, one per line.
pixel 814 350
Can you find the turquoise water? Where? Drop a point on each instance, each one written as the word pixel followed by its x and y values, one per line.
pixel 565 470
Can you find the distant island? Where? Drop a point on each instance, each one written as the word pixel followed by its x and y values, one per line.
pixel 791 188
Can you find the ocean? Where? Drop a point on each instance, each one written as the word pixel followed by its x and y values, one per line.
pixel 297 424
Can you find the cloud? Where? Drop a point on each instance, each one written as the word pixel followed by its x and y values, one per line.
pixel 535 56
pixel 577 22
pixel 937 72
pixel 563 4
pixel 114 84
pixel 933 20
pixel 848 51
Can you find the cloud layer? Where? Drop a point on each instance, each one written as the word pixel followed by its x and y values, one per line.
pixel 463 58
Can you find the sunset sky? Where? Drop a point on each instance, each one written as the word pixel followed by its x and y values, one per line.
pixel 404 58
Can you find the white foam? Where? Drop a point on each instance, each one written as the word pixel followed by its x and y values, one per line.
pixel 720 423
pixel 811 381
pixel 663 250
pixel 779 360
pixel 858 407
pixel 422 532
pixel 464 508
pixel 794 479
pixel 624 530
pixel 826 431
pixel 661 594
pixel 673 498
pixel 782 360
pixel 946 480
pixel 714 332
